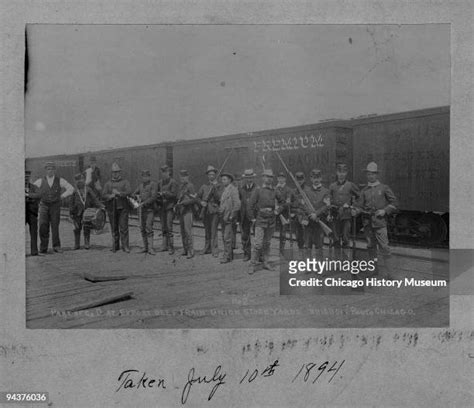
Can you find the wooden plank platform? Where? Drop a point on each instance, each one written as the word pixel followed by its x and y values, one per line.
pixel 175 292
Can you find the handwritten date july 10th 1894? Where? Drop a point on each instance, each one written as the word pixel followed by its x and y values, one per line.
pixel 306 372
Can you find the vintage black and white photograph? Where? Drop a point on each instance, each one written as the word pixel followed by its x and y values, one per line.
pixel 237 176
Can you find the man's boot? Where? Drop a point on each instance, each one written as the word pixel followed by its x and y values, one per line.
pixel 151 249
pixel 190 253
pixel 87 238
pixel 254 261
pixel 145 245
pixel 165 243
pixel 77 239
pixel 170 245
pixel 266 264
pixel 386 271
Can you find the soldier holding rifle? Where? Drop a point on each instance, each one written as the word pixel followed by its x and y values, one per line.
pixel 187 198
pixel 168 193
pixel 297 216
pixel 376 202
pixel 284 195
pixel 209 196
pixel 146 193
pixel 115 194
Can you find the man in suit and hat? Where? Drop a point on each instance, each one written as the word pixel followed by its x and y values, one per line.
pixel 376 202
pixel 344 194
pixel 82 198
pixel 228 211
pixel 93 179
pixel 248 186
pixel 32 197
pixel 168 191
pixel 284 196
pixel 50 188
pixel 146 194
pixel 319 197
pixel 187 198
pixel 209 197
pixel 115 194
pixel 298 214
pixel 263 210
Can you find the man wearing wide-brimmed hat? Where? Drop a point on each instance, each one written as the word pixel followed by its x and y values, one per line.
pixel 228 211
pixel 50 187
pixel 115 194
pixel 168 190
pixel 146 193
pixel 246 189
pixel 209 196
pixel 263 210
pixel 376 202
pixel 187 198
pixel 344 194
pixel 32 197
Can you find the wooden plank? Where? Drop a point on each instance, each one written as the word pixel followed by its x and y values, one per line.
pixel 101 301
pixel 103 278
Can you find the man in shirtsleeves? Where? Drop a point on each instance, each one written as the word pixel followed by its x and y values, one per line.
pixel 50 189
pixel 263 211
pixel 83 198
pixel 376 202
pixel 32 197
pixel 146 194
pixel 209 195
pixel 187 198
pixel 228 211
pixel 168 191
pixel 115 194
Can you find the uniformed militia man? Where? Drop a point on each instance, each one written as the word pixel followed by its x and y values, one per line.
pixel 209 195
pixel 146 194
pixel 263 211
pixel 376 202
pixel 284 196
pixel 93 178
pixel 187 198
pixel 50 187
pixel 299 221
pixel 237 183
pixel 168 193
pixel 228 211
pixel 32 197
pixel 344 194
pixel 248 186
pixel 115 194
pixel 319 197
pixel 82 198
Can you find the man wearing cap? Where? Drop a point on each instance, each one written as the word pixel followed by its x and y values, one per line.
pixel 319 197
pixel 344 194
pixel 284 196
pixel 297 212
pixel 376 202
pixel 228 211
pixel 82 198
pixel 209 196
pixel 146 193
pixel 50 187
pixel 263 211
pixel 93 179
pixel 115 194
pixel 168 190
pixel 32 197
pixel 187 198
pixel 245 192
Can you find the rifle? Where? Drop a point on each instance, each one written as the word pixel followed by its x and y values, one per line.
pixel 327 231
pixel 211 190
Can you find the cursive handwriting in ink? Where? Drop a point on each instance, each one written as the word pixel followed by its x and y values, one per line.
pixel 128 379
pixel 217 379
pixel 307 369
pixel 267 372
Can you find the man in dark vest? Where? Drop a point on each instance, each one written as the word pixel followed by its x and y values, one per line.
pixel 284 195
pixel 248 186
pixel 115 194
pixel 83 198
pixel 187 198
pixel 168 191
pixel 50 189
pixel 32 197
pixel 209 195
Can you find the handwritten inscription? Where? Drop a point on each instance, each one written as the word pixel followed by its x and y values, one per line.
pixel 212 380
pixel 276 144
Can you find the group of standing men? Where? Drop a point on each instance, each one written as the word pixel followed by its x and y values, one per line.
pixel 223 200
